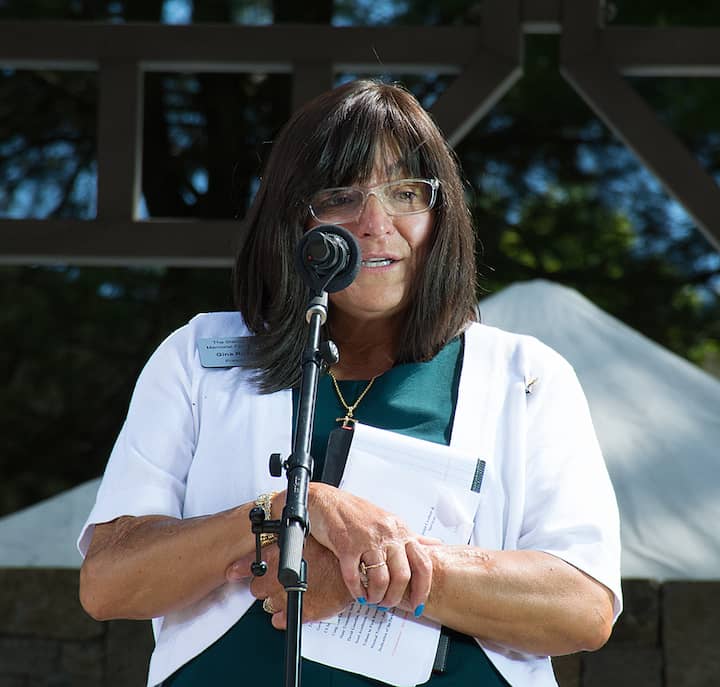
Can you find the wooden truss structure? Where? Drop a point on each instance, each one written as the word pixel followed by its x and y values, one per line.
pixel 487 60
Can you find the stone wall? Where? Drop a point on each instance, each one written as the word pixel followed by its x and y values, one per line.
pixel 668 636
pixel 47 640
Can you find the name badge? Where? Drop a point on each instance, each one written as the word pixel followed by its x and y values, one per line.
pixel 223 352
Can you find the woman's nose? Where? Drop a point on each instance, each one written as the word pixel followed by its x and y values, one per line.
pixel 373 219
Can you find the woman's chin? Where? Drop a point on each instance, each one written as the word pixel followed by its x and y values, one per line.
pixel 372 309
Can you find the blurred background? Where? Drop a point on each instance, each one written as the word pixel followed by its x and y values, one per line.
pixel 553 193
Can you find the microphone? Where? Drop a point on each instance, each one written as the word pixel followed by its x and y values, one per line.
pixel 328 258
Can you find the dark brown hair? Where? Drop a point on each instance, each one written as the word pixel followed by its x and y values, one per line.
pixel 335 140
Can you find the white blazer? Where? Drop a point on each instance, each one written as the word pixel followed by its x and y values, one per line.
pixel 197 441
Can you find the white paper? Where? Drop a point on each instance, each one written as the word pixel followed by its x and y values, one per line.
pixel 429 486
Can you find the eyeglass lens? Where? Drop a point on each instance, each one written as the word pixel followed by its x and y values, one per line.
pixel 402 197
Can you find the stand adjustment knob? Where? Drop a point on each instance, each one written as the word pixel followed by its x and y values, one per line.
pixel 258 568
pixel 329 353
pixel 276 465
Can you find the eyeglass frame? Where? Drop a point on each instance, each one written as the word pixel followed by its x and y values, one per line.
pixel 367 192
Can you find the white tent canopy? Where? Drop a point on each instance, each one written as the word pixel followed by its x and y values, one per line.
pixel 43 535
pixel 657 417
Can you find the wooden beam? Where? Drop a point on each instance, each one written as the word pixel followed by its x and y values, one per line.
pixel 664 52
pixel 494 69
pixel 580 27
pixel 119 125
pixel 542 16
pixel 473 94
pixel 678 51
pixel 488 58
pixel 588 69
pixel 309 80
pixel 235 48
pixel 193 243
pixel 502 29
pixel 635 124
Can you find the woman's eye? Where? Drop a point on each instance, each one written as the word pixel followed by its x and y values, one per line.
pixel 406 195
pixel 340 199
pixel 334 200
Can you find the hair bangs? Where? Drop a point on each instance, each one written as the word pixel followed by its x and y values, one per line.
pixel 371 131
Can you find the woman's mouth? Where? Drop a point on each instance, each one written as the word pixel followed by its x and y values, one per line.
pixel 377 262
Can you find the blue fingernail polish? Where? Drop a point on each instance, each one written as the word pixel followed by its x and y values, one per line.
pixel 419 610
pixel 362 600
pixel 383 608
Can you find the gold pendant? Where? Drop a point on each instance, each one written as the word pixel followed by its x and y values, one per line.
pixel 347 422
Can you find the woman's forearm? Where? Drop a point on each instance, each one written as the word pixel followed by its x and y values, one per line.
pixel 530 601
pixel 145 567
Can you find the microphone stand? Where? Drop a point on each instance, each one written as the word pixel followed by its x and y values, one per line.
pixel 328 258
pixel 294 524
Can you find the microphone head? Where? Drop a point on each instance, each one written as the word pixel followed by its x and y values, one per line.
pixel 328 258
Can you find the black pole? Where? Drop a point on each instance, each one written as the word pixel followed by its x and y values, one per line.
pixel 294 525
pixel 294 521
pixel 328 258
pixel 293 638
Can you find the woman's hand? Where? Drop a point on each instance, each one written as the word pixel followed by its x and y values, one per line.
pixel 325 597
pixel 358 532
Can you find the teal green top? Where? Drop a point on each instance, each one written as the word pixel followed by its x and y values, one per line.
pixel 417 399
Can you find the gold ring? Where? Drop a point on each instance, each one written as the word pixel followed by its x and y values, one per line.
pixel 364 567
pixel 268 607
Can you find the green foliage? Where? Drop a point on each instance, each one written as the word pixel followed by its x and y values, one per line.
pixel 47 144
pixel 74 341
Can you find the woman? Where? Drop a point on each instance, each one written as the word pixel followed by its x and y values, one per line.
pixel 169 537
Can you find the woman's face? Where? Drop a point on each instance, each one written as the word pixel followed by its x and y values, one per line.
pixel 393 251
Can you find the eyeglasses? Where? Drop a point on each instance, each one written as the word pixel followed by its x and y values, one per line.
pixel 401 197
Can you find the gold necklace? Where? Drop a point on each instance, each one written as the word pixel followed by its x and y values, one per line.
pixel 349 420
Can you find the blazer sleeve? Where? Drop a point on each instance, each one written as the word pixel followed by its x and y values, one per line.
pixel 149 463
pixel 570 506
